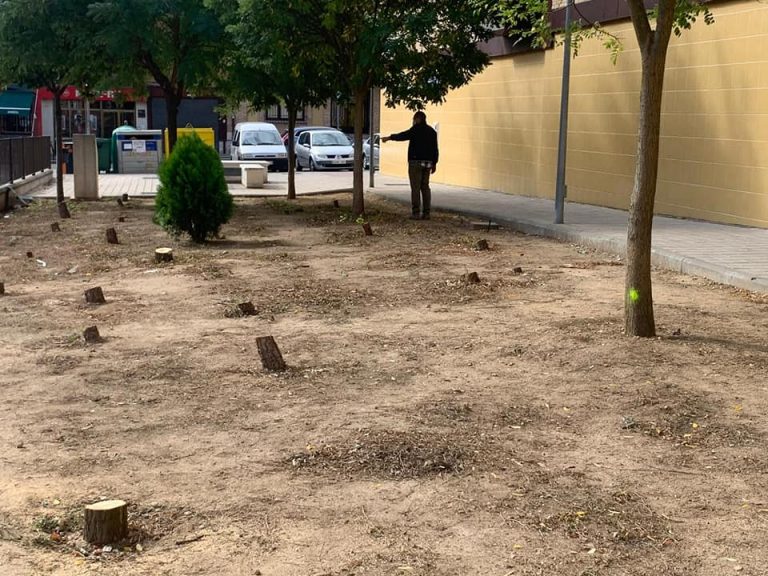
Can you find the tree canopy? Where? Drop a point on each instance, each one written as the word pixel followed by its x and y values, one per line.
pixel 174 41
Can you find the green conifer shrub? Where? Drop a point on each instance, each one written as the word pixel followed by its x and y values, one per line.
pixel 193 197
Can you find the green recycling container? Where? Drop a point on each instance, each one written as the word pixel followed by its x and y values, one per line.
pixel 103 145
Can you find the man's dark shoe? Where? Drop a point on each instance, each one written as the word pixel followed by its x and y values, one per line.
pixel 414 217
pixel 425 216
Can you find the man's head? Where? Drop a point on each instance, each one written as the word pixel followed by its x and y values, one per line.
pixel 419 118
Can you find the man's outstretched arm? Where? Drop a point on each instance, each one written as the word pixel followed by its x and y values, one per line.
pixel 399 137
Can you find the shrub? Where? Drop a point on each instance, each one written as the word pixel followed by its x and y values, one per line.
pixel 193 197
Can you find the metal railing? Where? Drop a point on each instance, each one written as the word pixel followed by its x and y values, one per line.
pixel 24 156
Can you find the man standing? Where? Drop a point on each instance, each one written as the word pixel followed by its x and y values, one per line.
pixel 422 161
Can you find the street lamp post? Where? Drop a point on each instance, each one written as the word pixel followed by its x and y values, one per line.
pixel 561 188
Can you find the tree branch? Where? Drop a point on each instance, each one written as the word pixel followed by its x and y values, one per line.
pixel 665 21
pixel 641 24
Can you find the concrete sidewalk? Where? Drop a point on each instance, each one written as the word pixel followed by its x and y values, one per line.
pixel 732 255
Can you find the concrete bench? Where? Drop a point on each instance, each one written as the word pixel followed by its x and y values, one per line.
pixel 253 176
pixel 233 172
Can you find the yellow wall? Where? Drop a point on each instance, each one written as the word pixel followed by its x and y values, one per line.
pixel 500 132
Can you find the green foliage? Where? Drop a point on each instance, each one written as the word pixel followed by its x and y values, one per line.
pixel 276 55
pixel 177 42
pixel 529 20
pixel 193 197
pixel 43 45
pixel 416 51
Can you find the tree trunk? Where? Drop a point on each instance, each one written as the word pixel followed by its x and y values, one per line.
pixel 172 111
pixel 58 144
pixel 358 199
pixel 270 355
pixel 291 152
pixel 106 522
pixel 638 298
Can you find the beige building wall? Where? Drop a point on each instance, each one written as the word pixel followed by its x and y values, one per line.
pixel 500 132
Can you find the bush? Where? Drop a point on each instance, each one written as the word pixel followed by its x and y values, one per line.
pixel 193 197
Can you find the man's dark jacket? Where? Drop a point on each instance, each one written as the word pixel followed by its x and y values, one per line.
pixel 422 142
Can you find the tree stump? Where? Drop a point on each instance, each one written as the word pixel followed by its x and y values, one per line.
pixel 269 353
pixel 163 255
pixel 119 202
pixel 55 227
pixel 95 295
pixel 367 229
pixel 517 270
pixel 91 335
pixel 121 219
pixel 2 288
pixel 481 245
pixel 106 522
pixel 125 197
pixel 64 210
pixel 30 254
pixel 112 236
pixel 336 204
pixel 471 278
pixel 247 309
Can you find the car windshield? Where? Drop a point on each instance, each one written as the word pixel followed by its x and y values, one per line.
pixel 329 139
pixel 261 138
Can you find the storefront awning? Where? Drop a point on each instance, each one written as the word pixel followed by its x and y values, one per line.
pixel 16 103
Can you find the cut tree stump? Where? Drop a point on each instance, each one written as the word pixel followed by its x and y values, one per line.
pixel 471 278
pixel 64 210
pixel 95 295
pixel 247 309
pixel 112 236
pixel 269 353
pixel 106 522
pixel 336 204
pixel 121 219
pixel 55 227
pixel 517 270
pixel 481 245
pixel 163 255
pixel 91 335
pixel 367 229
pixel 30 255
pixel 2 288
pixel 125 197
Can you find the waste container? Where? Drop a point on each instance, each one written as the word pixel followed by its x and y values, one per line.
pixel 103 145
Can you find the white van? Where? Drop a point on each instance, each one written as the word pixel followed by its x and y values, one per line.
pixel 259 141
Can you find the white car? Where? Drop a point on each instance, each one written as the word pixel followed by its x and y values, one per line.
pixel 367 152
pixel 319 149
pixel 259 141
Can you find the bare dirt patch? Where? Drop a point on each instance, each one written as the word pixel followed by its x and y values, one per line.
pixel 426 425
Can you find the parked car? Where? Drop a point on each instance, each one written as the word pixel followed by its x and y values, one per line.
pixel 259 141
pixel 318 149
pixel 367 152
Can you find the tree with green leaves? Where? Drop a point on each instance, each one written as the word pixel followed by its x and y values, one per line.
pixel 193 197
pixel 176 42
pixel 653 30
pixel 278 57
pixel 44 44
pixel 415 51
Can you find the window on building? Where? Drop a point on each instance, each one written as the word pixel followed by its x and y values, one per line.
pixel 279 113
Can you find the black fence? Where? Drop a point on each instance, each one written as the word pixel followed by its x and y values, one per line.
pixel 22 157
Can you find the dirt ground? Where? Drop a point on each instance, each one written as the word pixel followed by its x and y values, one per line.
pixel 425 426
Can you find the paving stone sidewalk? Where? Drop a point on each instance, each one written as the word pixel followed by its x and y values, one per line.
pixel 733 255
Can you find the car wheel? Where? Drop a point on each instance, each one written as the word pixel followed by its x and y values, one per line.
pixel 298 166
pixel 365 163
pixel 312 165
